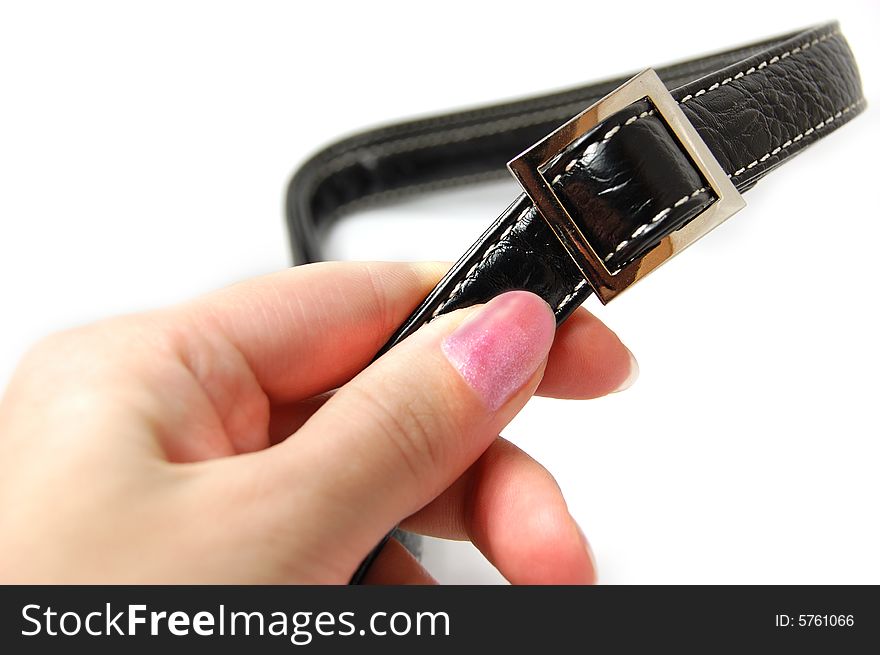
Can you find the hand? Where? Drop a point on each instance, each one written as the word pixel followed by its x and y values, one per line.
pixel 205 442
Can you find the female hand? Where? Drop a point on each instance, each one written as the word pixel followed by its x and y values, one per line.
pixel 238 438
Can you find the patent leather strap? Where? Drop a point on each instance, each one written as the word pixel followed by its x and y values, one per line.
pixel 754 106
pixel 628 185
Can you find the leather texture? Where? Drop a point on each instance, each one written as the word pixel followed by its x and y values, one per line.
pixel 754 106
pixel 627 183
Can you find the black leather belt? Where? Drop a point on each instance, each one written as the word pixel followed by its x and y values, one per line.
pixel 652 164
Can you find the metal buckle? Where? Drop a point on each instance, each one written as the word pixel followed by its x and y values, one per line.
pixel 527 168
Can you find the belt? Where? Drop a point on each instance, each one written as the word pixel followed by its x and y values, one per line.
pixel 653 163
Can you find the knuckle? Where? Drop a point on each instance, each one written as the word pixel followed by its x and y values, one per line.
pixel 409 426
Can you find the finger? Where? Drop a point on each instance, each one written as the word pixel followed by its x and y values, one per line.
pixel 297 333
pixel 587 360
pixel 511 508
pixel 285 419
pixel 309 329
pixel 125 379
pixel 404 429
pixel 395 565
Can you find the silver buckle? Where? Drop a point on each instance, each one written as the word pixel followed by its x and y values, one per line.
pixel 527 168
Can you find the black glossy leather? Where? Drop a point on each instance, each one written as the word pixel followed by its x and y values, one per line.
pixel 754 106
pixel 627 183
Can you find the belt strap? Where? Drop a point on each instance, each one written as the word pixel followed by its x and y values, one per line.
pixel 606 203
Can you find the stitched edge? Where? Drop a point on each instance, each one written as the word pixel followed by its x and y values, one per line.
pixel 659 216
pixel 574 292
pixel 403 145
pixel 762 65
pixel 379 197
pixel 525 117
pixel 492 248
pixel 530 117
pixel 595 145
pixel 455 135
pixel 674 73
pixel 818 126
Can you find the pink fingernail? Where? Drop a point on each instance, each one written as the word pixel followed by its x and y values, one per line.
pixel 497 350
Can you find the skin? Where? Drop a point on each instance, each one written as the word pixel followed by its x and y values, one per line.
pixel 243 438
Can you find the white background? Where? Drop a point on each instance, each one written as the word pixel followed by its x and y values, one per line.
pixel 144 152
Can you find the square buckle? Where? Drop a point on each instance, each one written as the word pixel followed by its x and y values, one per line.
pixel 527 168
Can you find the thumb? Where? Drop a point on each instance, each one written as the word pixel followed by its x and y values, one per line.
pixel 404 429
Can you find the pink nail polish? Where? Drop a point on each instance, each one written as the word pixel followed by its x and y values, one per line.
pixel 497 350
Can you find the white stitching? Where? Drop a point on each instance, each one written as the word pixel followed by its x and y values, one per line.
pixel 381 196
pixel 614 130
pixel 528 114
pixel 662 214
pixel 763 64
pixel 790 142
pixel 578 287
pixel 659 216
pixel 402 145
pixel 595 144
pixel 485 256
pixel 488 118
pixel 529 117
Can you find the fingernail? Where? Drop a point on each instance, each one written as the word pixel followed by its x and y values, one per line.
pixel 498 349
pixel 633 374
pixel 593 576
